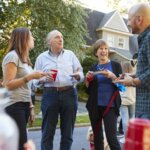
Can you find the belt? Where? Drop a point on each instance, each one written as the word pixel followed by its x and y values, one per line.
pixel 63 88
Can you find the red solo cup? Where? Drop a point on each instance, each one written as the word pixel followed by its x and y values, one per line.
pixel 90 78
pixel 138 135
pixel 54 73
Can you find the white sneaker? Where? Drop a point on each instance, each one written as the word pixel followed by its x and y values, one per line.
pixel 122 140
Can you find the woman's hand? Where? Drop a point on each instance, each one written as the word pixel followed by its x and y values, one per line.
pixel 108 74
pixel 89 77
pixel 32 116
pixel 37 74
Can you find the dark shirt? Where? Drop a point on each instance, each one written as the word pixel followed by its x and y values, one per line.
pixel 143 73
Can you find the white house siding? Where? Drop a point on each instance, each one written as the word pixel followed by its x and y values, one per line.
pixel 116 38
pixel 116 23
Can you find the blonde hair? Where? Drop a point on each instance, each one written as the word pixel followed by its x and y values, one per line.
pixel 127 67
pixel 89 133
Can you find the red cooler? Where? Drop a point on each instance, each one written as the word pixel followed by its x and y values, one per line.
pixel 138 135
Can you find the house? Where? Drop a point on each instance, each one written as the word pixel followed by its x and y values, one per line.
pixel 112 28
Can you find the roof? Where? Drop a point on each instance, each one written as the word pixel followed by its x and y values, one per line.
pixel 122 52
pixel 93 21
pixel 105 19
pixel 97 20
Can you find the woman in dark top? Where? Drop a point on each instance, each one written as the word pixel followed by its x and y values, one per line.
pixel 101 89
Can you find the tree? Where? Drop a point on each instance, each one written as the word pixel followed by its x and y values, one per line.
pixel 42 16
pixel 68 17
pixel 122 6
pixel 13 14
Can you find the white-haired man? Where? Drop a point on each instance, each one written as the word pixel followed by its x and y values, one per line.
pixel 59 95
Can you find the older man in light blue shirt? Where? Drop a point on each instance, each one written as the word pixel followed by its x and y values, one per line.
pixel 59 95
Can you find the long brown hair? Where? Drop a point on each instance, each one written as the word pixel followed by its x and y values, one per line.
pixel 19 42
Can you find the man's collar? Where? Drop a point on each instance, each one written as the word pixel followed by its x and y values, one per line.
pixel 51 53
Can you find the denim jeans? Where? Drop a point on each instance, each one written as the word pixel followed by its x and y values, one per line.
pixel 127 112
pixel 20 113
pixel 57 104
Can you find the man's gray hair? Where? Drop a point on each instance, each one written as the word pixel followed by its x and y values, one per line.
pixel 51 35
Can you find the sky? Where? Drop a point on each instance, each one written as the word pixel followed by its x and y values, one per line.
pixel 96 4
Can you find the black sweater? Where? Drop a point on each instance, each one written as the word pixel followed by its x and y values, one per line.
pixel 92 91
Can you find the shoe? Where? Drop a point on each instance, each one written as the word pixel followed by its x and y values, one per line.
pixel 120 134
pixel 120 131
pixel 122 140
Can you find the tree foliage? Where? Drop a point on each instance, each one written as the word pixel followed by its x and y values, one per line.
pixel 122 6
pixel 42 16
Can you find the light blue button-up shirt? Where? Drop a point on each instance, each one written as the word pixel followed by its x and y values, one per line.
pixel 66 63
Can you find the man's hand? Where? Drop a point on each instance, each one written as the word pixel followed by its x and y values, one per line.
pixel 124 79
pixel 76 76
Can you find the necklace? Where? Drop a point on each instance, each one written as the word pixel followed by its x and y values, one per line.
pixel 101 67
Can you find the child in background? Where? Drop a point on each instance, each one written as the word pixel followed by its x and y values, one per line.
pixel 128 98
pixel 90 138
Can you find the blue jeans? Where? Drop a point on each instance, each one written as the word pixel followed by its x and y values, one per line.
pixel 57 104
pixel 127 112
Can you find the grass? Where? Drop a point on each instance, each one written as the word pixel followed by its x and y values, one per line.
pixel 79 119
pixel 37 107
pixel 38 122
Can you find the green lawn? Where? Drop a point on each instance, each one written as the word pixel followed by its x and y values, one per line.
pixel 79 119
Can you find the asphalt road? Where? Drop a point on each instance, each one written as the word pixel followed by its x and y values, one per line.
pixel 80 142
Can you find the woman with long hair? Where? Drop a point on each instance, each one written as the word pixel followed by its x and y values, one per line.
pixel 17 76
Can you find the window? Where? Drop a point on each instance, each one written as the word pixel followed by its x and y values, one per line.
pixel 121 42
pixel 110 40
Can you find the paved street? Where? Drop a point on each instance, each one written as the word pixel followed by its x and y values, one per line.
pixel 80 142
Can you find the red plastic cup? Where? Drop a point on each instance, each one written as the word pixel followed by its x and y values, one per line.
pixel 90 78
pixel 138 135
pixel 54 73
